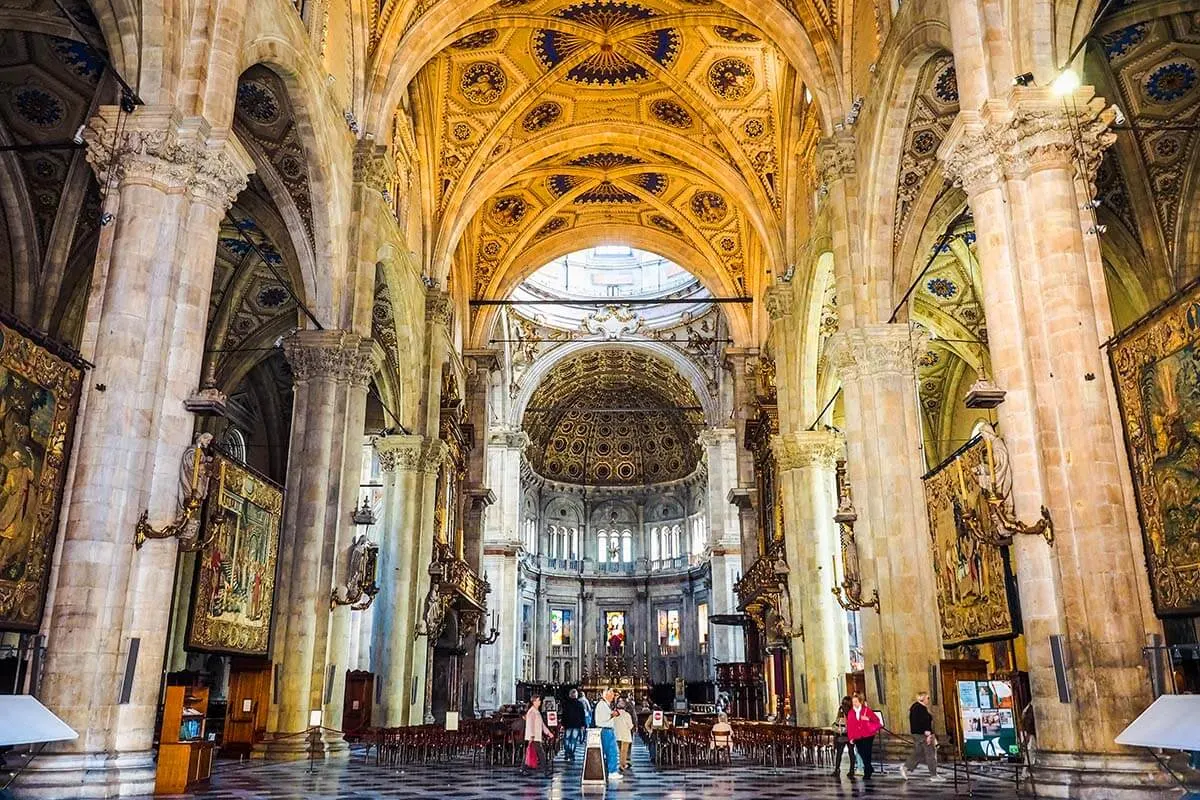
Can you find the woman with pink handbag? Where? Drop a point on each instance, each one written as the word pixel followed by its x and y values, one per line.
pixel 535 732
pixel 861 726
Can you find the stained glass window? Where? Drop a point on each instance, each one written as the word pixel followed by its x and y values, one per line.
pixel 561 628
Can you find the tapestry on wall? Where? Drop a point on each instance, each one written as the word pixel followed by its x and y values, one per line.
pixel 1156 367
pixel 973 578
pixel 234 589
pixel 39 394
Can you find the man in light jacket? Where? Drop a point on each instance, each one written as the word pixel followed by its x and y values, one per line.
pixel 608 739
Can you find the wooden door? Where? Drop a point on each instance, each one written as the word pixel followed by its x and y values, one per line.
pixel 856 682
pixel 356 713
pixel 954 670
pixel 249 702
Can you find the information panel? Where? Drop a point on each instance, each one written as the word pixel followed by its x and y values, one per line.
pixel 987 719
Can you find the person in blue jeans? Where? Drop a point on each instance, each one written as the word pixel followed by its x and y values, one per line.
pixel 608 738
pixel 574 722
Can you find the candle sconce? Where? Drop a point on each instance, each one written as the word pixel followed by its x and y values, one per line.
pixel 194 472
pixel 493 633
pixel 849 591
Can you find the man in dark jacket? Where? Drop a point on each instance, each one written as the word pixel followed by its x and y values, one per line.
pixel 920 725
pixel 574 722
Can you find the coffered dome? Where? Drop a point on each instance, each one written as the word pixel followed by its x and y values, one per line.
pixel 613 417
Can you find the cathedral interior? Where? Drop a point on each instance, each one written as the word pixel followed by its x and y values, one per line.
pixel 369 368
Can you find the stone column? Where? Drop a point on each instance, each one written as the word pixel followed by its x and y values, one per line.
pixel 500 662
pixel 360 367
pixel 171 180
pixel 1020 161
pixel 883 443
pixel 322 363
pixel 409 465
pixel 838 174
pixel 806 461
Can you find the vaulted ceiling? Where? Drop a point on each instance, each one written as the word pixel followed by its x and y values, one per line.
pixel 613 417
pixel 553 125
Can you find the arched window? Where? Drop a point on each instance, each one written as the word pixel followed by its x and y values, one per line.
pixel 602 548
pixel 574 543
pixel 675 551
pixel 627 546
pixel 655 552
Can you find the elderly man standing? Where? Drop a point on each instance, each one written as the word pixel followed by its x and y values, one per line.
pixel 608 738
pixel 920 725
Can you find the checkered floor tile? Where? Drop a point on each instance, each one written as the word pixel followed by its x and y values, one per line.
pixel 463 781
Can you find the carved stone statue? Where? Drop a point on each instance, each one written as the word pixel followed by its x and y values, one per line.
pixel 995 473
pixel 356 570
pixel 195 471
pixel 435 614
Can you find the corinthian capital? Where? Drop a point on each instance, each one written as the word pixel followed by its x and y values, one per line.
pixel 836 159
pixel 338 355
pixel 874 350
pixel 802 449
pixel 374 166
pixel 400 452
pixel 777 299
pixel 156 145
pixel 1030 130
pixel 438 308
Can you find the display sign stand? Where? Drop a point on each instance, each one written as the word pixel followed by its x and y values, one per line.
pixel 1168 724
pixel 28 722
pixel 594 771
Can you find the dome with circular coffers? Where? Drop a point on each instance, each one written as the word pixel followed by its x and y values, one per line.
pixel 613 417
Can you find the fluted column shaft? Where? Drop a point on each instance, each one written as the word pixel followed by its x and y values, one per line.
pixel 806 462
pixel 883 443
pixel 172 180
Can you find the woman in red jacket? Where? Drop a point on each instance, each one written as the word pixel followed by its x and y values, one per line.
pixel 861 726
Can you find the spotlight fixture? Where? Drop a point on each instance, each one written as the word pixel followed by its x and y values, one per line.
pixel 1098 230
pixel 1118 114
pixel 1024 79
pixel 78 137
pixel 106 218
pixel 1066 83
pixel 128 104
pixel 1094 203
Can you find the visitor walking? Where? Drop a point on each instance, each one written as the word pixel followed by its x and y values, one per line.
pixel 574 723
pixel 861 726
pixel 920 725
pixel 841 741
pixel 587 708
pixel 535 734
pixel 623 730
pixel 608 737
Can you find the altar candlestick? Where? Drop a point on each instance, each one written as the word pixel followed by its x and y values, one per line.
pixel 987 443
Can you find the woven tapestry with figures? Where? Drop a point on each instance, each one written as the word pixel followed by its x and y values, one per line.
pixel 973 578
pixel 39 393
pixel 234 590
pixel 1156 367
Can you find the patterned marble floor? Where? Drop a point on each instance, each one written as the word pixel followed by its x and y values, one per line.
pixel 462 781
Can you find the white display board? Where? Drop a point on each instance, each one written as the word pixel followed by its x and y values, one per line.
pixel 26 721
pixel 1170 723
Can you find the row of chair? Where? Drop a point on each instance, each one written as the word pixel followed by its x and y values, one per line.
pixel 783 745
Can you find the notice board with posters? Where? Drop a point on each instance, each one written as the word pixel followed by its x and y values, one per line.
pixel 987 719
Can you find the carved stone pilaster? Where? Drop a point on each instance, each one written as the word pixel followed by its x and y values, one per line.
pixel 156 145
pixel 836 159
pixel 874 350
pixel 803 449
pixel 433 455
pixel 1033 130
pixel 507 437
pixel 778 300
pixel 362 364
pixel 715 437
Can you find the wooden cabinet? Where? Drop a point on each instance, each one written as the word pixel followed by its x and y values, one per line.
pixel 184 753
pixel 952 671
pixel 356 713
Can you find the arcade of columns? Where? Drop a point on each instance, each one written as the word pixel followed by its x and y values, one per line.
pixel 174 167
